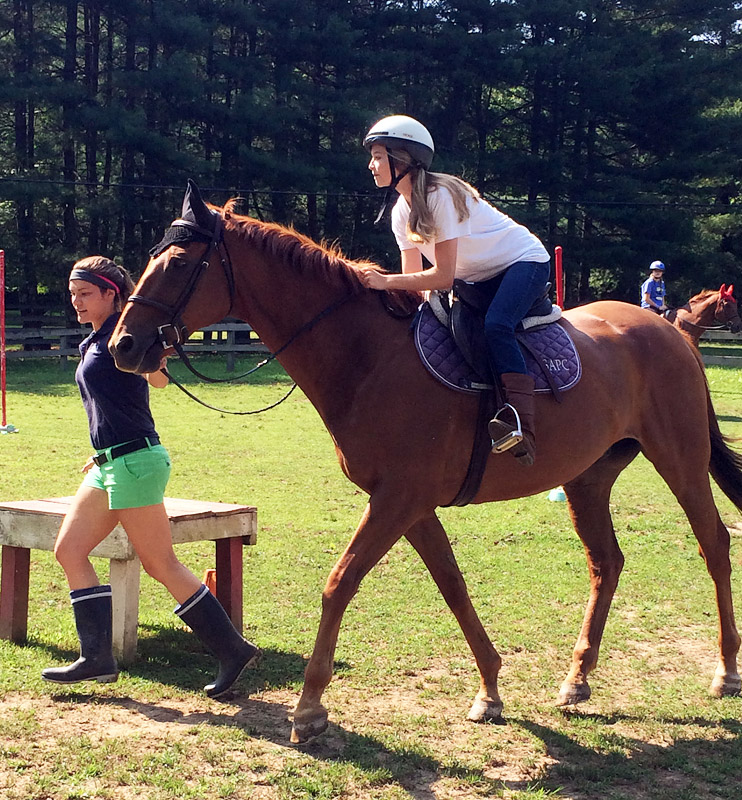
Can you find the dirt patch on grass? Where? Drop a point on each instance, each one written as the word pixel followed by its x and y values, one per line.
pixel 406 738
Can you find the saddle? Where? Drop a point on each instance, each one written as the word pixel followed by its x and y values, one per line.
pixel 449 337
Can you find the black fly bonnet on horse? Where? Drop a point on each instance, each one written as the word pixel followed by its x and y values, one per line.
pixel 197 223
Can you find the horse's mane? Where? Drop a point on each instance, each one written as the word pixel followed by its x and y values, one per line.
pixel 704 294
pixel 296 249
pixel 327 261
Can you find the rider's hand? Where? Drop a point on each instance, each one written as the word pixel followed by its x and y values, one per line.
pixel 372 279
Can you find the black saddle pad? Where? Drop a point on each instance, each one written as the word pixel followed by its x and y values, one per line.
pixel 548 348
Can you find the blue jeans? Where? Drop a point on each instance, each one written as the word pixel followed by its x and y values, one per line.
pixel 515 291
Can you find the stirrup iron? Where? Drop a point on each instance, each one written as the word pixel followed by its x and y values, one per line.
pixel 512 437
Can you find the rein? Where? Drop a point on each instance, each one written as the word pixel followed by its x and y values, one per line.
pixel 184 358
pixel 178 327
pixel 224 410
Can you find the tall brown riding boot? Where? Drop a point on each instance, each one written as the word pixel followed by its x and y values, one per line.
pixel 514 424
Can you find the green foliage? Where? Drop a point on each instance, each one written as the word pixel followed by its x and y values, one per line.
pixel 612 129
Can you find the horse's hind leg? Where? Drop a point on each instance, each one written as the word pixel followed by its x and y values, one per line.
pixel 588 498
pixel 431 542
pixel 686 473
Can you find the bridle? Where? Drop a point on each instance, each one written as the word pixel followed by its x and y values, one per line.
pixel 174 311
pixel 691 327
pixel 177 327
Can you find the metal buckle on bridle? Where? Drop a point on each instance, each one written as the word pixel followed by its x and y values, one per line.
pixel 164 341
pixel 512 437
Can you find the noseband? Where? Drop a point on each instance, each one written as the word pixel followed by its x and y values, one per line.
pixel 174 333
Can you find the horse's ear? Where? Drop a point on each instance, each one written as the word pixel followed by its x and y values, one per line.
pixel 727 292
pixel 195 213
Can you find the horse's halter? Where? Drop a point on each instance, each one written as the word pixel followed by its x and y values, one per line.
pixel 719 314
pixel 174 333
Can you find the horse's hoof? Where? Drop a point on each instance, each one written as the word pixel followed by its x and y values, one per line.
pixel 572 693
pixel 308 728
pixel 726 686
pixel 486 710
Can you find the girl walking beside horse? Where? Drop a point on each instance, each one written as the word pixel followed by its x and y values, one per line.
pixel 444 219
pixel 125 482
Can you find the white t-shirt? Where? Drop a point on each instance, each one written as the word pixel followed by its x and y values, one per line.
pixel 489 241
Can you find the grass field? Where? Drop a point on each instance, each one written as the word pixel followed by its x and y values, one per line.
pixel 404 675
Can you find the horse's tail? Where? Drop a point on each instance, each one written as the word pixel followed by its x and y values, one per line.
pixel 725 464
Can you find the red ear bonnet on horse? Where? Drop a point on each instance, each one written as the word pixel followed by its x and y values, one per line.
pixel 727 293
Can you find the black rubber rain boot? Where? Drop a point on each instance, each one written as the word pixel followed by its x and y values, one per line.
pixel 206 617
pixel 93 617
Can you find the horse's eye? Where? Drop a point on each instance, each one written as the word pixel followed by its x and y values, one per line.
pixel 175 263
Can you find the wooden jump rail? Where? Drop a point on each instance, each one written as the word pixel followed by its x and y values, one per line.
pixel 33 525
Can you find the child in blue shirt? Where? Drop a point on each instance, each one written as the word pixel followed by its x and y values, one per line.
pixel 653 289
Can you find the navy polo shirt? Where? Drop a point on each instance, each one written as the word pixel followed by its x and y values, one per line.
pixel 116 402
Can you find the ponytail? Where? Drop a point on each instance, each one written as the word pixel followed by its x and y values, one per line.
pixel 421 226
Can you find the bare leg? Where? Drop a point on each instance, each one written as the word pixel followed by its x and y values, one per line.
pixel 429 538
pixel 384 521
pixel 148 529
pixel 86 524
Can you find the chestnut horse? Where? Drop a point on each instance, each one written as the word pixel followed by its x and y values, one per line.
pixel 405 439
pixel 708 310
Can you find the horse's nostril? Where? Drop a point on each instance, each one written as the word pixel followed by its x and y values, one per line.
pixel 125 343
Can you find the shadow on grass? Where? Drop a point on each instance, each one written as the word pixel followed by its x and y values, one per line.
pixel 728 418
pixel 415 770
pixel 589 754
pixel 680 768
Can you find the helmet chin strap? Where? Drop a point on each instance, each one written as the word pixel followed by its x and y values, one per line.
pixel 389 193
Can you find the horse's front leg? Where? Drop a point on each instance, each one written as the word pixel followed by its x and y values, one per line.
pixel 383 523
pixel 429 538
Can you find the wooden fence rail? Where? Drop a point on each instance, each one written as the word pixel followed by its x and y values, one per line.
pixel 718 359
pixel 232 339
pixel 228 338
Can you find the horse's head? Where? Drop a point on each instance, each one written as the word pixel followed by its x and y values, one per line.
pixel 177 292
pixel 727 311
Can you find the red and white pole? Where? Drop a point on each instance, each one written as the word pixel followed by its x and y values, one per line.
pixel 2 335
pixel 559 276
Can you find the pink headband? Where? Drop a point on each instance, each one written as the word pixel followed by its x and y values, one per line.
pixel 94 277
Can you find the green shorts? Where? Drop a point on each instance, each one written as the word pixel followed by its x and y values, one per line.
pixel 134 480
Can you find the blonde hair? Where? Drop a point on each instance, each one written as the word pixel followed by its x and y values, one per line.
pixel 100 265
pixel 421 227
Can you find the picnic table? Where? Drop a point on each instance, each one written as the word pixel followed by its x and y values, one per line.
pixel 33 525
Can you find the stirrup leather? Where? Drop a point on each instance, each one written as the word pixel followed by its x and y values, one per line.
pixel 512 437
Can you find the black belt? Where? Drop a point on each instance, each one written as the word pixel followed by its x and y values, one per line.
pixel 125 449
